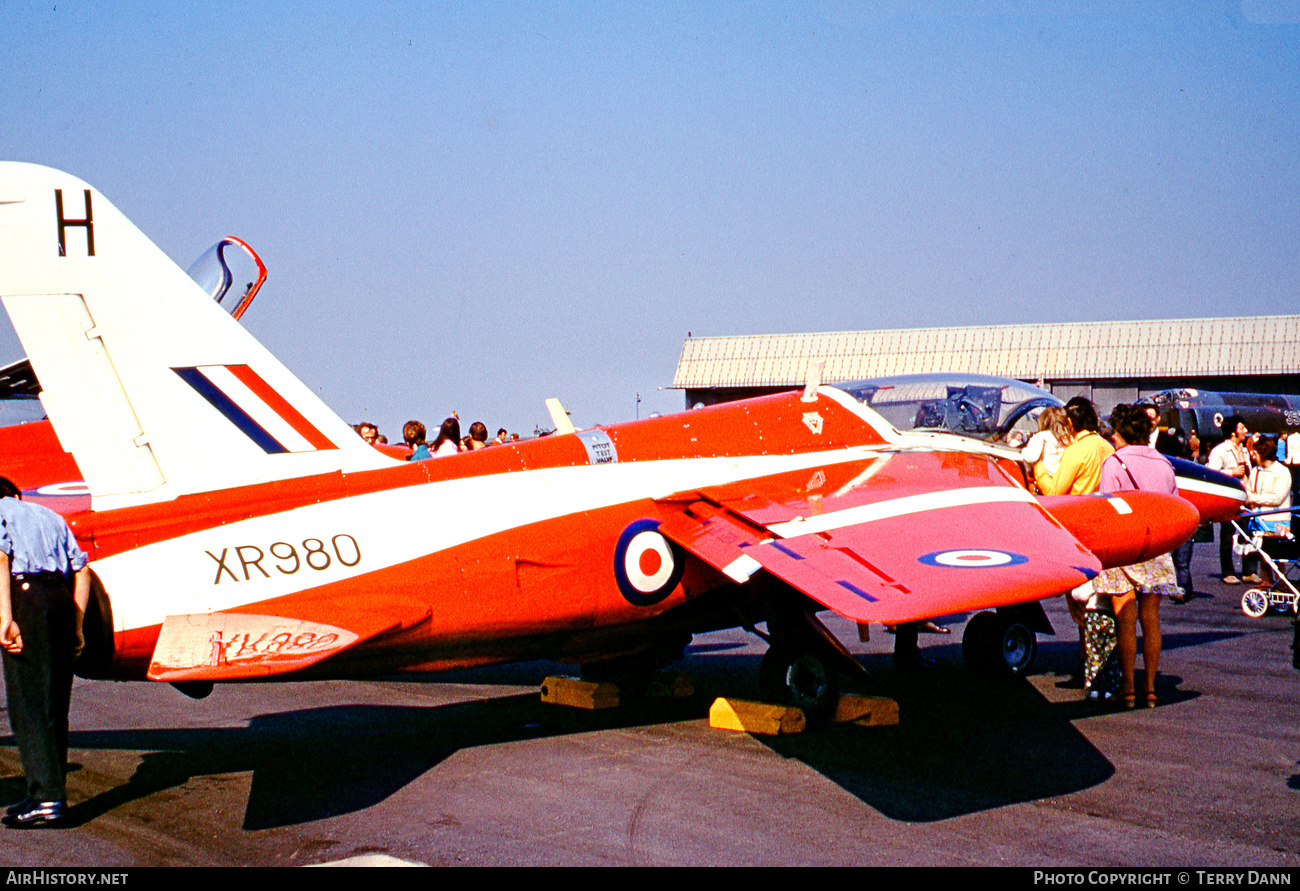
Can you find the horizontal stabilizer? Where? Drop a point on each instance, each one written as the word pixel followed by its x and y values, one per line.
pixel 229 646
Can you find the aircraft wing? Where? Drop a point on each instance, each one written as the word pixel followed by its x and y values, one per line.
pixel 903 536
pixel 235 645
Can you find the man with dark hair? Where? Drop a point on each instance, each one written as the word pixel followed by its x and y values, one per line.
pixel 1230 457
pixel 1080 468
pixel 44 590
pixel 477 435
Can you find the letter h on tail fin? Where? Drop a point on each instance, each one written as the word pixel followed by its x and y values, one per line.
pixel 155 390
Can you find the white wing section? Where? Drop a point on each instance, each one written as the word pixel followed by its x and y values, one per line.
pixel 155 390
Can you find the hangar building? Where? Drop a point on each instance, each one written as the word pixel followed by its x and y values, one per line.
pixel 1109 362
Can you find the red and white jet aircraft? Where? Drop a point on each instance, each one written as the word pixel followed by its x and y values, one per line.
pixel 239 529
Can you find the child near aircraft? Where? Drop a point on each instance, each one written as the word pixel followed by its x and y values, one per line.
pixel 1078 474
pixel 1044 450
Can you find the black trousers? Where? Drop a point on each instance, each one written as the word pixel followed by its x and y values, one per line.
pixel 1225 549
pixel 38 681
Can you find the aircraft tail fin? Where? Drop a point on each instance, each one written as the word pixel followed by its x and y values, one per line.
pixel 155 390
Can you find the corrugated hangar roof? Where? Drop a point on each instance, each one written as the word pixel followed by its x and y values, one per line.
pixel 1168 348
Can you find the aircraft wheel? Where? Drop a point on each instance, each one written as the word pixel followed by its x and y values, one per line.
pixel 996 646
pixel 800 678
pixel 1254 603
pixel 1019 647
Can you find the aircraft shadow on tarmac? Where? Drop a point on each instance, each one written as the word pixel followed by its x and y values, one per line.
pixel 317 763
pixel 965 744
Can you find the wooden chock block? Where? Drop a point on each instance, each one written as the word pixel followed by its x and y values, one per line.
pixel 866 711
pixel 577 693
pixel 671 685
pixel 755 717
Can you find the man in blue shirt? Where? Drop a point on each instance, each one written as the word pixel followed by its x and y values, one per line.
pixel 44 590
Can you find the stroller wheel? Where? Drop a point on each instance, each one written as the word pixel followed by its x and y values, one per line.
pixel 1254 603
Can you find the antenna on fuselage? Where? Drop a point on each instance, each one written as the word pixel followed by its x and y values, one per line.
pixel 559 417
pixel 815 369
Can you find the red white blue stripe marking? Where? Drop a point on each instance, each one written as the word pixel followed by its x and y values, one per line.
pixel 249 402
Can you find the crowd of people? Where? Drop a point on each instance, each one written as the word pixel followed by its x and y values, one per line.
pixel 1072 454
pixel 447 442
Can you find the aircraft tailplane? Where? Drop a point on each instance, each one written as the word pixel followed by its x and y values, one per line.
pixel 155 390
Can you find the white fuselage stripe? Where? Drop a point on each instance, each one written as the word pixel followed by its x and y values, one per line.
pixel 897 507
pixel 1207 488
pixel 394 526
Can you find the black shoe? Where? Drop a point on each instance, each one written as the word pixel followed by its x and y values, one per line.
pixel 20 806
pixel 36 813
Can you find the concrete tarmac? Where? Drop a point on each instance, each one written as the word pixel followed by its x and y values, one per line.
pixel 471 769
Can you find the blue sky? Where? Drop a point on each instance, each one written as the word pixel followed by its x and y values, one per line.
pixel 475 206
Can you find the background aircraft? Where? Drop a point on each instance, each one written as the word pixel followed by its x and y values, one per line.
pixel 239 529
pixel 1203 411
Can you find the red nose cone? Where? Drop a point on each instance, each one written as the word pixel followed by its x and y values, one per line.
pixel 1128 527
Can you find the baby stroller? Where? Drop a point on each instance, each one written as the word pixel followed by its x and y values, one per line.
pixel 1282 554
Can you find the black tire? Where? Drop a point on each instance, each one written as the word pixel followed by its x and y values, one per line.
pixel 1019 646
pixel 801 679
pixel 997 646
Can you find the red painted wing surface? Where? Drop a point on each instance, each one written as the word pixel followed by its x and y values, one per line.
pixel 899 537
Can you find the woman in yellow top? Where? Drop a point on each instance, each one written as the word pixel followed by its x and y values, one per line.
pixel 1080 474
pixel 1080 470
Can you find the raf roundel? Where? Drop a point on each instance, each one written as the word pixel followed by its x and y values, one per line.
pixel 973 558
pixel 647 566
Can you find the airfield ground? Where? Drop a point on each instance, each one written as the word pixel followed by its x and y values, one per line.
pixel 471 769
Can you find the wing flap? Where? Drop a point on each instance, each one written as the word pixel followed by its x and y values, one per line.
pixel 717 536
pixel 890 540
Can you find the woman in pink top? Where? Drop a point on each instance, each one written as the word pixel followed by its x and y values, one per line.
pixel 1136 590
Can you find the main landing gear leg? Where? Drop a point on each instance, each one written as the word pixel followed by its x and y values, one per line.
pixel 803 662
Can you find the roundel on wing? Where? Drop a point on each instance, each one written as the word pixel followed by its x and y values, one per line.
pixel 972 558
pixel 647 566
